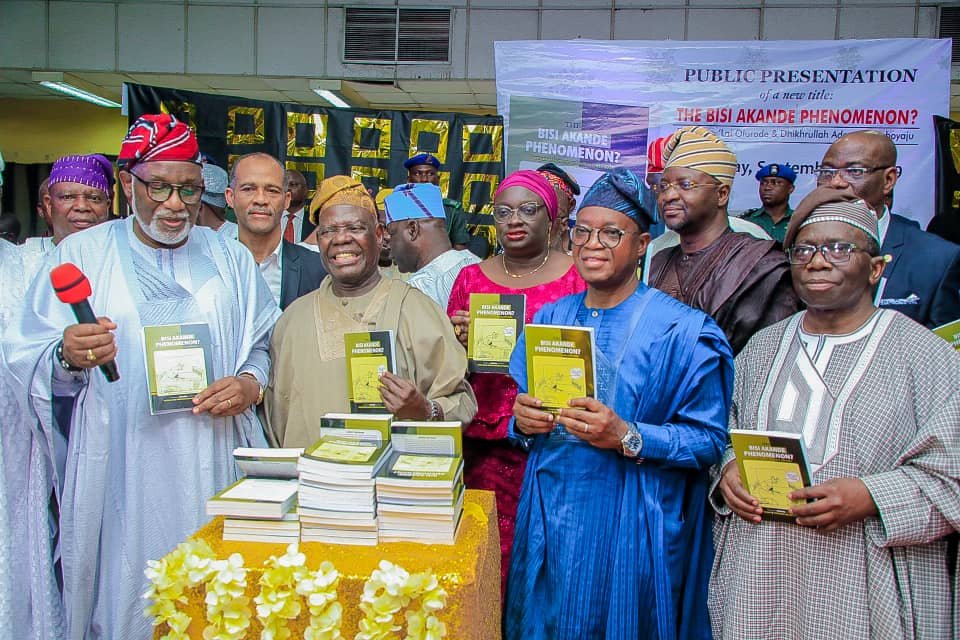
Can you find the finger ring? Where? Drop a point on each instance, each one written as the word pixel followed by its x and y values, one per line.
pixel 91 356
pixel 457 330
pixel 586 428
pixel 229 403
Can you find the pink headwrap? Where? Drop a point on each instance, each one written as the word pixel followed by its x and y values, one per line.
pixel 534 182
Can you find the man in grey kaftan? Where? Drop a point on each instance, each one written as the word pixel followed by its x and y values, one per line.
pixel 878 405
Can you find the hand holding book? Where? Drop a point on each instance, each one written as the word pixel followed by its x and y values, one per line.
pixel 837 502
pixel 528 416
pixel 403 399
pixel 736 496
pixel 227 396
pixel 594 422
pixel 461 326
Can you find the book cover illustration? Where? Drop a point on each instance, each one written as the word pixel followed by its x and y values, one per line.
pixel 179 363
pixel 496 321
pixel 369 355
pixel 340 451
pixel 772 465
pixel 561 364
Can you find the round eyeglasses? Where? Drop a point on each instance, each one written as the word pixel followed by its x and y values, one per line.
pixel 609 237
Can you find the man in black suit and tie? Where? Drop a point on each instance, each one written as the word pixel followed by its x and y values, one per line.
pixel 258 194
pixel 295 225
pixel 922 277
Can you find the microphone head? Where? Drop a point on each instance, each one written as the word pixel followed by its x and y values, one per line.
pixel 70 284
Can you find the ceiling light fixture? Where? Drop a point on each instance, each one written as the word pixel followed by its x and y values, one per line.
pixel 331 97
pixel 79 94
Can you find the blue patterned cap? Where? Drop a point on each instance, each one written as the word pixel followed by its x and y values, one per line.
pixel 621 190
pixel 414 201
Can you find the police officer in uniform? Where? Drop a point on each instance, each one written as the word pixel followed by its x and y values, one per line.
pixel 776 185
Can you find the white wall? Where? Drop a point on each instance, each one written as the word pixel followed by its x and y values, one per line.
pixel 304 37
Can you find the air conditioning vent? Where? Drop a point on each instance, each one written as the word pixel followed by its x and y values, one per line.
pixel 391 36
pixel 950 28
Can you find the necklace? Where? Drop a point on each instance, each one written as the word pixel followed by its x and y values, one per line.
pixel 503 260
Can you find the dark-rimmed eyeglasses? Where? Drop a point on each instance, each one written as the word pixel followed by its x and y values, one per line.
pixel 680 185
pixel 609 237
pixel 832 252
pixel 527 211
pixel 849 174
pixel 161 191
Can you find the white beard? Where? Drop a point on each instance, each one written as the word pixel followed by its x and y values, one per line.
pixel 155 233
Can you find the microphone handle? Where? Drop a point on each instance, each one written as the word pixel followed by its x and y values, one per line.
pixel 85 315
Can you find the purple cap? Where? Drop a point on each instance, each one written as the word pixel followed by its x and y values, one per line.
pixel 94 171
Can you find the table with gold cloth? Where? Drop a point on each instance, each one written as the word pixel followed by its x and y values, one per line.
pixel 469 571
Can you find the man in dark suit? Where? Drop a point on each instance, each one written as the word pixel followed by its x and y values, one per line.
pixel 295 225
pixel 258 194
pixel 922 277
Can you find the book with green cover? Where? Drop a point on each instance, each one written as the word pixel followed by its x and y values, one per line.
pixel 950 332
pixel 772 464
pixel 427 438
pixel 427 454
pixel 344 456
pixel 179 362
pixel 561 364
pixel 264 462
pixel 369 354
pixel 366 427
pixel 495 322
pixel 265 498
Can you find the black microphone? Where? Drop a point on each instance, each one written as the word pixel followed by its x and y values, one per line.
pixel 73 288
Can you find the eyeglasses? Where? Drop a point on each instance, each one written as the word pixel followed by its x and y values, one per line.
pixel 849 174
pixel 526 211
pixel 681 185
pixel 92 198
pixel 832 252
pixel 609 237
pixel 161 191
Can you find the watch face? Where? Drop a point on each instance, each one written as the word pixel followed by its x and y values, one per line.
pixel 632 443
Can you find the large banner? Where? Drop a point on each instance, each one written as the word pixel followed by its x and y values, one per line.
pixel 371 146
pixel 782 102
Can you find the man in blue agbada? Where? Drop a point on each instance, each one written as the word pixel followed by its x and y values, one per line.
pixel 613 535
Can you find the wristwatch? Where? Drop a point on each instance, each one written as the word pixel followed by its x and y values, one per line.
pixel 632 442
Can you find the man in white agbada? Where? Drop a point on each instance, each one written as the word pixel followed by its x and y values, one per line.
pixel 11 273
pixel 130 485
pixel 877 399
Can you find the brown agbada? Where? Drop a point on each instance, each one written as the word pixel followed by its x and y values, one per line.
pixel 740 281
pixel 309 373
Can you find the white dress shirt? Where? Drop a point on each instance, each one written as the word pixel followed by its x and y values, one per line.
pixel 272 271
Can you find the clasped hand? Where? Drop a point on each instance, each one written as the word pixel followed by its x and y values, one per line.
pixel 586 418
pixel 837 502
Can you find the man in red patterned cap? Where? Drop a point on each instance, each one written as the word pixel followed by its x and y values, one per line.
pixel 130 475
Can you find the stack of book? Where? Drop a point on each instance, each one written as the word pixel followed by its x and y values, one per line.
pixel 337 486
pixel 420 489
pixel 258 510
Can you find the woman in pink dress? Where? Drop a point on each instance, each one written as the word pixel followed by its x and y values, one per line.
pixel 525 205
